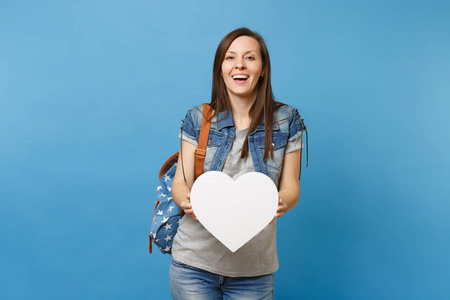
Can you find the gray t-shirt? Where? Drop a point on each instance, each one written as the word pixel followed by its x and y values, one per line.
pixel 193 245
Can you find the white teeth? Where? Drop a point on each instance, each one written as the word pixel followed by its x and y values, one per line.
pixel 240 76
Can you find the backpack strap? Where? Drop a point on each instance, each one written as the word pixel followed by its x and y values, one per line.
pixel 200 152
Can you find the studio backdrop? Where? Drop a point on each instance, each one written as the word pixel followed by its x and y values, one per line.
pixel 92 94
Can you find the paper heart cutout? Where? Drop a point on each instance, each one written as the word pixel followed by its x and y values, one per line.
pixel 234 211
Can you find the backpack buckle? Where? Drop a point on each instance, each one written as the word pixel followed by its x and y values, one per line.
pixel 200 153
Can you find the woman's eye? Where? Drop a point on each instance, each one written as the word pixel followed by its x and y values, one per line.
pixel 250 57
pixel 229 57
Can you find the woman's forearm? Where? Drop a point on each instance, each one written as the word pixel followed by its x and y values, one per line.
pixel 179 192
pixel 290 196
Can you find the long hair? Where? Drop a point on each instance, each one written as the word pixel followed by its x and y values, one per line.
pixel 265 105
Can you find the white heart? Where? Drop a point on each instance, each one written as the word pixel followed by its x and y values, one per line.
pixel 234 211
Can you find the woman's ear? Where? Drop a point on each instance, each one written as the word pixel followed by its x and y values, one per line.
pixel 262 73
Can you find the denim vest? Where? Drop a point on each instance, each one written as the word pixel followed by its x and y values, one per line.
pixel 287 126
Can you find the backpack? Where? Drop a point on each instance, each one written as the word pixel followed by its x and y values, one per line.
pixel 166 214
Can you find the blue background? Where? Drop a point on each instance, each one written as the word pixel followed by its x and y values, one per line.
pixel 91 98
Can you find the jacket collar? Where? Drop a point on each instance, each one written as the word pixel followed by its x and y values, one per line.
pixel 225 119
pixel 260 127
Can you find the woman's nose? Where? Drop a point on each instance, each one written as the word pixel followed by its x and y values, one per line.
pixel 240 64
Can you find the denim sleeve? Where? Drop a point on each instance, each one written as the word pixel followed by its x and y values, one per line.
pixel 188 126
pixel 296 125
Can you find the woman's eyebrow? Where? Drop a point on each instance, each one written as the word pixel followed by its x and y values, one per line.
pixel 244 52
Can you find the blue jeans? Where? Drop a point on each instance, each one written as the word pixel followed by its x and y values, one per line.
pixel 189 283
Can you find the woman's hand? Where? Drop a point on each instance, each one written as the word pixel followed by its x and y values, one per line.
pixel 186 206
pixel 282 208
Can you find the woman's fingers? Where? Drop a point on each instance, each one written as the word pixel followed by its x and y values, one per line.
pixel 186 206
pixel 280 210
pixel 282 207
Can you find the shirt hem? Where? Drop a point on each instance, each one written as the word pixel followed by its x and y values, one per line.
pixel 207 268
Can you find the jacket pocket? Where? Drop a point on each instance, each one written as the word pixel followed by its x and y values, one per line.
pixel 215 139
pixel 279 142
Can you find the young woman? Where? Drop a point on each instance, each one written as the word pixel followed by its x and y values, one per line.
pixel 249 132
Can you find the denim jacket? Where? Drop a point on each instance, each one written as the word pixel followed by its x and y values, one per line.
pixel 287 126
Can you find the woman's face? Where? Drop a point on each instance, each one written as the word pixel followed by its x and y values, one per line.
pixel 242 68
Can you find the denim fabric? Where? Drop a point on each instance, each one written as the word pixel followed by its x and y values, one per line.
pixel 189 283
pixel 287 126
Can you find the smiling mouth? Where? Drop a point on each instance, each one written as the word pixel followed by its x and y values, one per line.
pixel 240 78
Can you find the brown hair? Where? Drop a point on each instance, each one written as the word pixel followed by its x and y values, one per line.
pixel 265 105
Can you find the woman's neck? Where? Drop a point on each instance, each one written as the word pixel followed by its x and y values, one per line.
pixel 240 108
